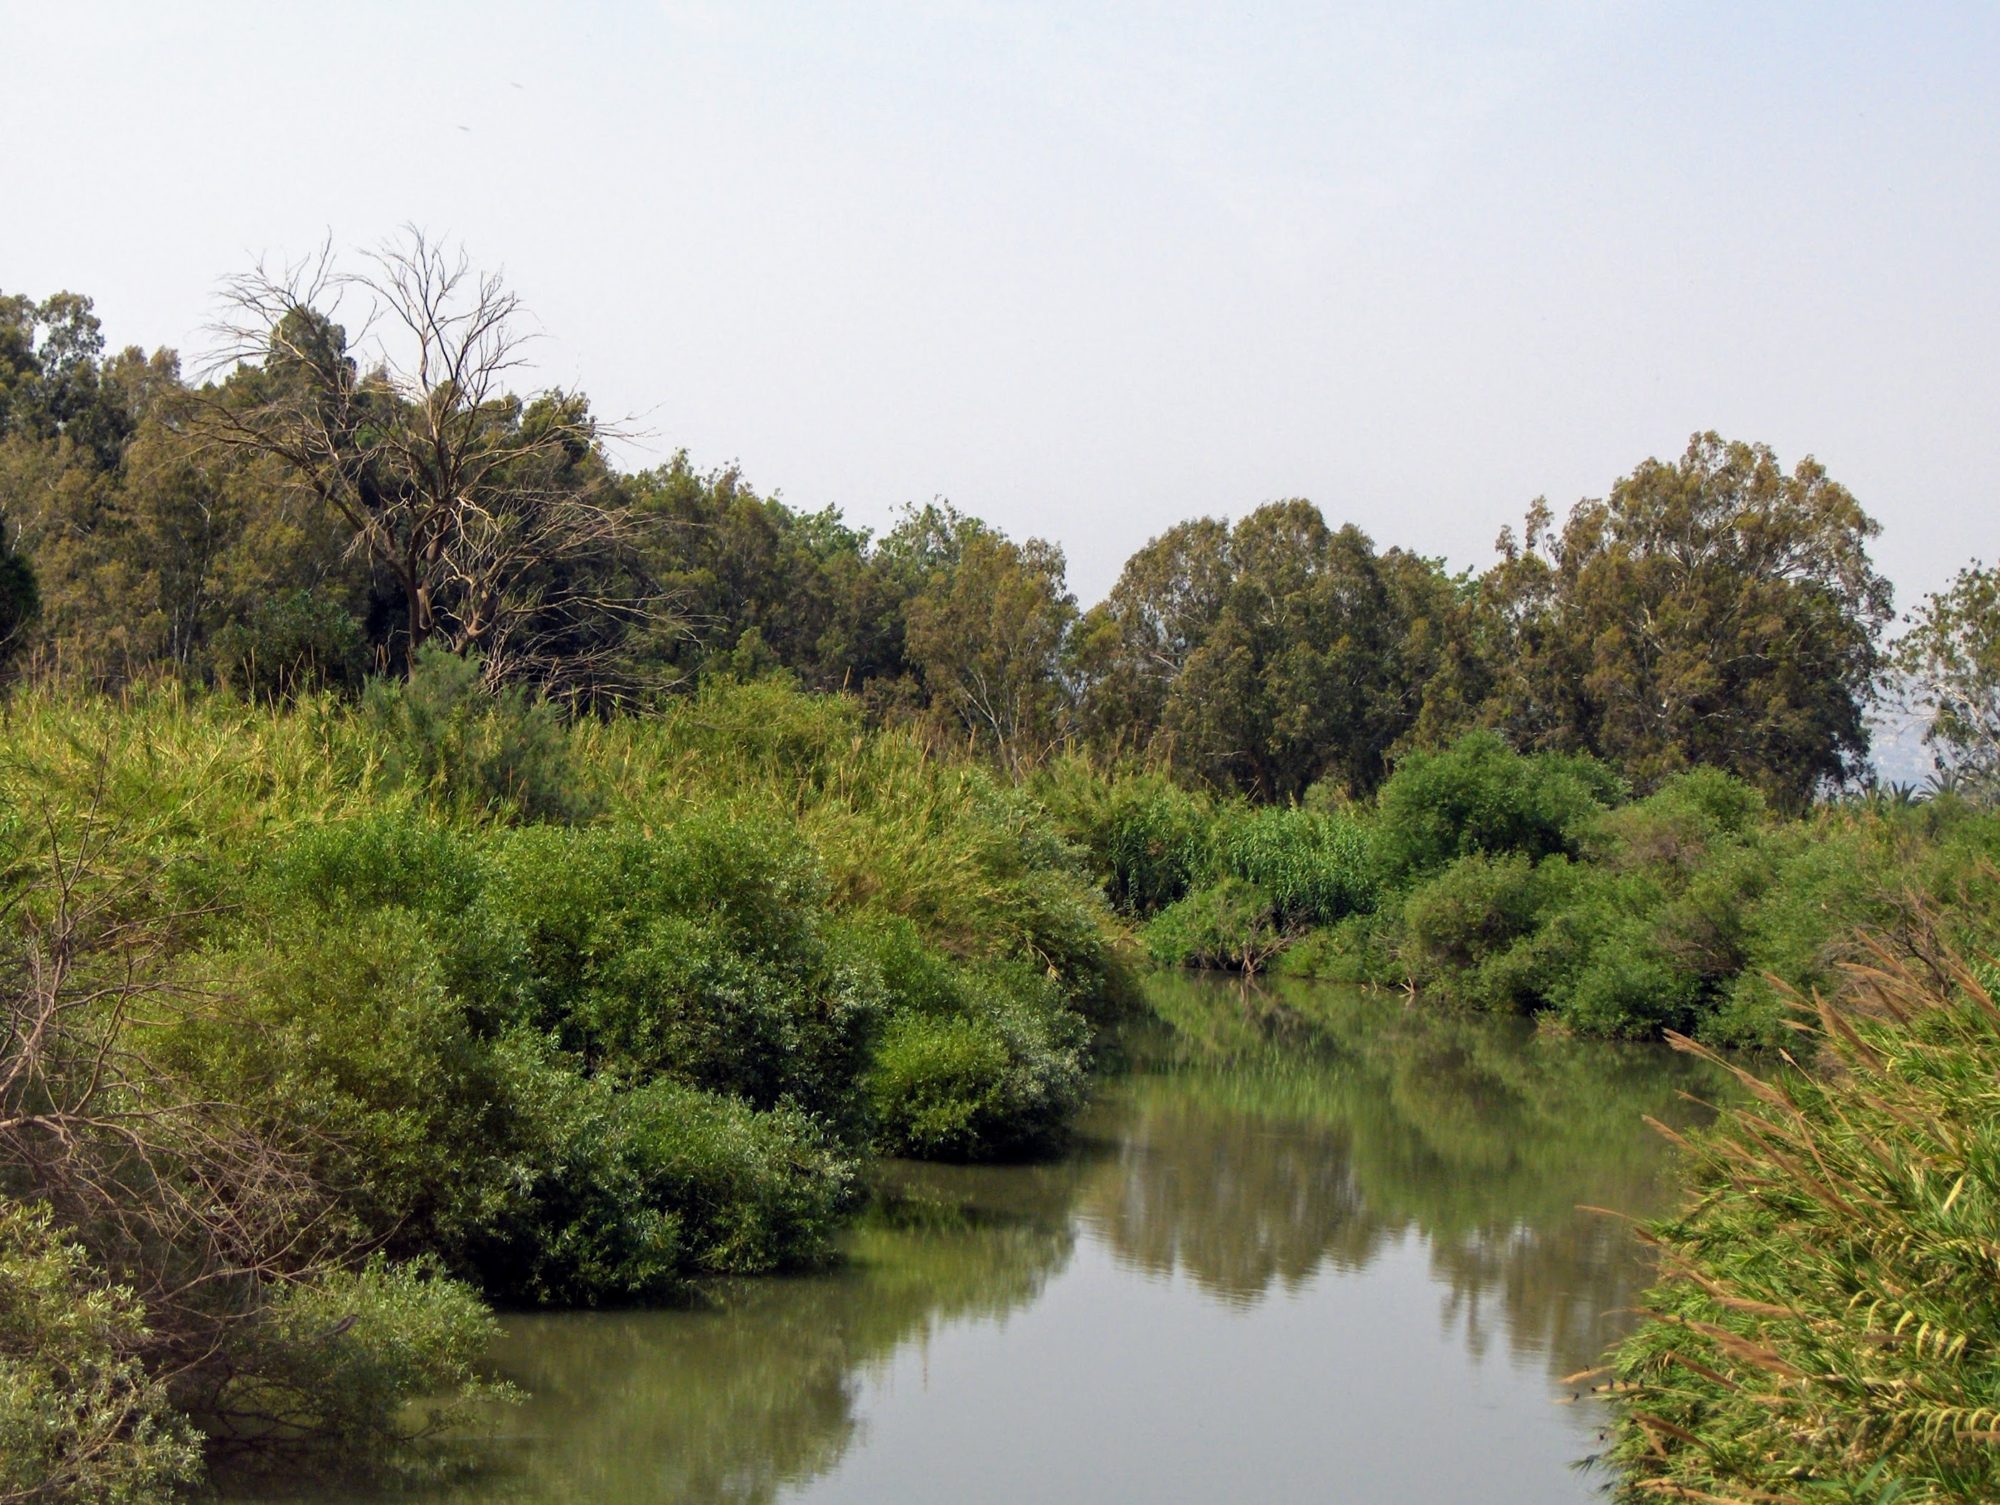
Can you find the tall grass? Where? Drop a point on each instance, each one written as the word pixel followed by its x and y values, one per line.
pixel 1827 1326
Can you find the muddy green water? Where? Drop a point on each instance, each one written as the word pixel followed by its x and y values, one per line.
pixel 1313 1246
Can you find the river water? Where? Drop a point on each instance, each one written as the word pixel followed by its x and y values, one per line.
pixel 1313 1245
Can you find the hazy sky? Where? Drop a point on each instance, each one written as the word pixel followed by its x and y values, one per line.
pixel 1089 269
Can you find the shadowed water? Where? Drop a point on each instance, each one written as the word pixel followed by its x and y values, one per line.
pixel 1314 1245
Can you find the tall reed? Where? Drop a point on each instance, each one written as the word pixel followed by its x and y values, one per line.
pixel 1827 1325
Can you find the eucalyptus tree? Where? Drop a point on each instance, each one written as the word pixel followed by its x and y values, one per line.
pixel 1949 663
pixel 986 632
pixel 1716 610
pixel 1270 655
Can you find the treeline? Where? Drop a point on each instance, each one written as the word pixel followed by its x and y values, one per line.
pixel 333 501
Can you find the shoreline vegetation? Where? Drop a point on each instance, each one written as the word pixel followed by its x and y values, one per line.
pixel 439 871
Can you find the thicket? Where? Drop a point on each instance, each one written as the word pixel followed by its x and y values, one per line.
pixel 1535 883
pixel 328 1023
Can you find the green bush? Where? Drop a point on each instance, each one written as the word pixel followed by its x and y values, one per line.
pixel 359 1364
pixel 442 731
pixel 700 952
pixel 484 1030
pixel 1149 839
pixel 80 1418
pixel 750 1191
pixel 1361 950
pixel 293 645
pixel 1230 923
pixel 976 1061
pixel 1469 932
pixel 1479 795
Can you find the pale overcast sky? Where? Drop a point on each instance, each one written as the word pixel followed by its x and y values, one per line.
pixel 1089 269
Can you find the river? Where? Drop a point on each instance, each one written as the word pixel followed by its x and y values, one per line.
pixel 1310 1245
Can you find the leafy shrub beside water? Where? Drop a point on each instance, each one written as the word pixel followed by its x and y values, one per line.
pixel 80 1415
pixel 1480 796
pixel 975 1062
pixel 1149 839
pixel 568 1011
pixel 1315 866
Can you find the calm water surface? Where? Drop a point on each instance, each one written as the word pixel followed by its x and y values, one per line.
pixel 1316 1246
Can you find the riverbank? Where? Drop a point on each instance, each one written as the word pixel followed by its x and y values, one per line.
pixel 332 1023
pixel 336 1025
pixel 1269 1252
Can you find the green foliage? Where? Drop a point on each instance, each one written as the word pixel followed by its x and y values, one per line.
pixel 750 1191
pixel 368 1361
pixel 1469 932
pixel 1229 923
pixel 698 953
pixel 1361 950
pixel 1480 795
pixel 1713 611
pixel 290 645
pixel 761 585
pixel 1672 914
pixel 81 1419
pixel 1315 866
pixel 1949 661
pixel 1825 1323
pixel 986 637
pixel 489 1027
pixel 1271 655
pixel 975 1062
pixel 445 732
pixel 976 863
pixel 1149 839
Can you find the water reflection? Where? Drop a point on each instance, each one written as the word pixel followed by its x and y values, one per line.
pixel 1284 1128
pixel 1272 1147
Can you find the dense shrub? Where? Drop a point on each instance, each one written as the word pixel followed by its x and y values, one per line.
pixel 444 732
pixel 1230 923
pixel 1149 839
pixel 1470 932
pixel 1479 795
pixel 577 1064
pixel 81 1419
pixel 699 952
pixel 406 1366
pixel 1362 950
pixel 976 1061
pixel 747 1191
pixel 975 862
pixel 292 645
pixel 1315 866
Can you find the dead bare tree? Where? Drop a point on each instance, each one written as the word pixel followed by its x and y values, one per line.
pixel 495 515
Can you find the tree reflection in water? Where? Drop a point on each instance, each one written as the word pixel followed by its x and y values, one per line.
pixel 1275 1130
pixel 1264 1140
